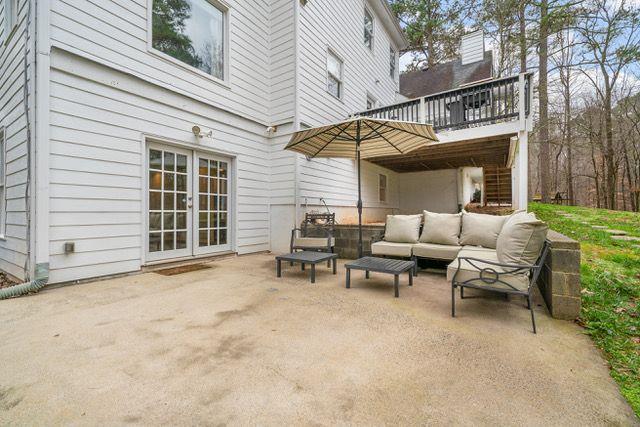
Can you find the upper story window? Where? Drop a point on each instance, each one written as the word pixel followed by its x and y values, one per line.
pixel 392 63
pixel 371 102
pixel 382 187
pixel 10 17
pixel 334 74
pixel 368 29
pixel 191 31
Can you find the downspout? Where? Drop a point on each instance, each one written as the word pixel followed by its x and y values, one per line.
pixel 41 276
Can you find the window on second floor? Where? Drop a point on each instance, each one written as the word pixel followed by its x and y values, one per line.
pixel 371 102
pixel 191 31
pixel 10 18
pixel 392 63
pixel 382 187
pixel 368 29
pixel 334 75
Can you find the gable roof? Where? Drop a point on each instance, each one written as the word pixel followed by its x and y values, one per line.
pixel 444 77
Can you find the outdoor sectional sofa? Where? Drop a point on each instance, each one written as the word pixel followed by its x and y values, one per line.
pixel 495 253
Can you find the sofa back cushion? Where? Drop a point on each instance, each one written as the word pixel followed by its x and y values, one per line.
pixel 441 228
pixel 481 229
pixel 402 228
pixel 521 239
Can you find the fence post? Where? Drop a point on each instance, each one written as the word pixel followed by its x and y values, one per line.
pixel 422 111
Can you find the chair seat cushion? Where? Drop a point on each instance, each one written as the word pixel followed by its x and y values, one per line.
pixel 312 242
pixel 391 249
pixel 467 271
pixel 436 251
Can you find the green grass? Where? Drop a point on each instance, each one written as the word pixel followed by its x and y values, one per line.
pixel 610 286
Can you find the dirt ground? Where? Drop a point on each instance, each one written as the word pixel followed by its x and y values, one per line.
pixel 235 345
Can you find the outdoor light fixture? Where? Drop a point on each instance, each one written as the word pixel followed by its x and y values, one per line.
pixel 198 132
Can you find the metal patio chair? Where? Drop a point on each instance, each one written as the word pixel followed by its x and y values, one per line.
pixel 316 233
pixel 497 277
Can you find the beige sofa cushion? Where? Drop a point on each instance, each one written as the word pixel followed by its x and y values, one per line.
pixel 402 228
pixel 436 251
pixel 479 252
pixel 312 242
pixel 441 228
pixel 521 239
pixel 469 272
pixel 481 229
pixel 391 249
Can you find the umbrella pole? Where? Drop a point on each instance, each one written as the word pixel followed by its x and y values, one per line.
pixel 359 191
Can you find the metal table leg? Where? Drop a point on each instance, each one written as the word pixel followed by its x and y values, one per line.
pixel 366 274
pixel 335 266
pixel 313 273
pixel 410 277
pixel 396 279
pixel 278 268
pixel 348 278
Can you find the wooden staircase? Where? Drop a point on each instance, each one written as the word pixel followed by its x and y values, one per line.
pixel 497 186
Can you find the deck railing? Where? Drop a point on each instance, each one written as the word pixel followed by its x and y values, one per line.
pixel 479 104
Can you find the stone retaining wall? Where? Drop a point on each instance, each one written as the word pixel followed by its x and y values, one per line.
pixel 559 281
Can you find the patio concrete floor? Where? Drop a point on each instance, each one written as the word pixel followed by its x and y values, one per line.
pixel 234 345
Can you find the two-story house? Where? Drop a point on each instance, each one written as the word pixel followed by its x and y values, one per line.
pixel 140 131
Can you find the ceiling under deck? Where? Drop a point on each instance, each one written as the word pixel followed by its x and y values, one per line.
pixel 451 155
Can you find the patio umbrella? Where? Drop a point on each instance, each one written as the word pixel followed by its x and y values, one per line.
pixel 362 138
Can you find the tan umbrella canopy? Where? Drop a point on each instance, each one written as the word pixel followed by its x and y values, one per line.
pixel 362 138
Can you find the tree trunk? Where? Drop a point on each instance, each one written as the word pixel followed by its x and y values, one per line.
pixel 568 135
pixel 545 155
pixel 609 153
pixel 522 37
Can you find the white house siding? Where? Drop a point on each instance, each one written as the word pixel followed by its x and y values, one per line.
pixel 13 247
pixel 98 120
pixel 338 26
pixel 435 191
pixel 282 62
pixel 115 33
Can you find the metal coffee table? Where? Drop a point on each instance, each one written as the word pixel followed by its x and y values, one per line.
pixel 382 265
pixel 306 257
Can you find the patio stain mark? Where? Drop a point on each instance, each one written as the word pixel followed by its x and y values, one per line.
pixel 223 316
pixel 234 347
pixel 163 319
pixel 9 398
pixel 131 419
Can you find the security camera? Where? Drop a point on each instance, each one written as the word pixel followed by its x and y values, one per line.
pixel 272 129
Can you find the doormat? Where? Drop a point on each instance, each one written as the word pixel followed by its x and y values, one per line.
pixel 182 269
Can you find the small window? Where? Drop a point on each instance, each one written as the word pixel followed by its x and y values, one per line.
pixel 3 220
pixel 191 31
pixel 368 29
pixel 382 187
pixel 334 75
pixel 10 17
pixel 371 102
pixel 392 63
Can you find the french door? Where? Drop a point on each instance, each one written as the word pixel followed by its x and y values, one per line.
pixel 188 196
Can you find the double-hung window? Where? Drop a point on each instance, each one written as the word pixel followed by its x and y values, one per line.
pixel 334 75
pixel 392 63
pixel 192 32
pixel 382 188
pixel 368 29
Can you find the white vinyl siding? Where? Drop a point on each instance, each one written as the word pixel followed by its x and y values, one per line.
pixel 10 14
pixel 3 194
pixel 382 188
pixel 363 73
pixel 392 63
pixel 116 34
pixel 13 248
pixel 98 119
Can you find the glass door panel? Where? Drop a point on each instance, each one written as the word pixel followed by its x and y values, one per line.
pixel 169 222
pixel 213 205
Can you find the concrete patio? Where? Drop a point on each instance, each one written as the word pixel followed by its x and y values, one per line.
pixel 234 345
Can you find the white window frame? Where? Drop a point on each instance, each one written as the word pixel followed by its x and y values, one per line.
pixel 393 65
pixel 340 79
pixel 3 182
pixel 10 18
pixel 373 29
pixel 371 99
pixel 226 11
pixel 385 178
